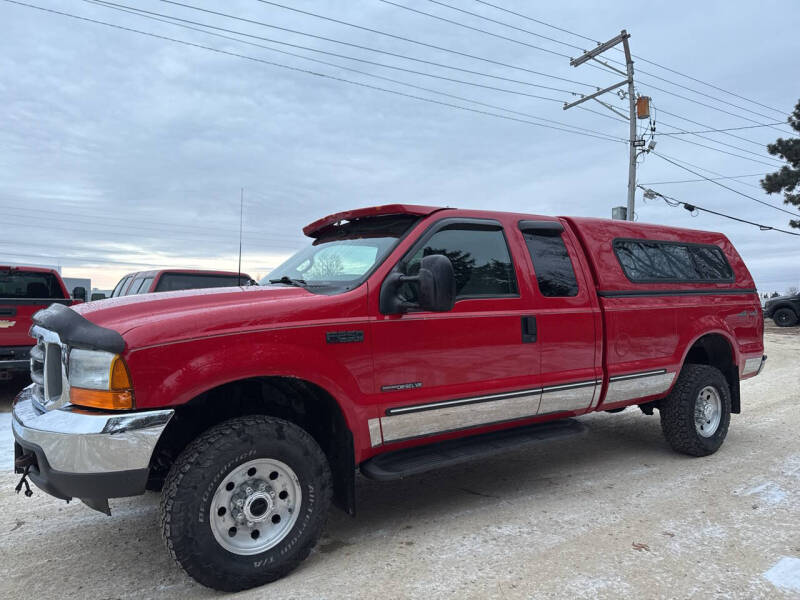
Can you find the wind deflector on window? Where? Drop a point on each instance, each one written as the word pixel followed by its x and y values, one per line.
pixel 542 227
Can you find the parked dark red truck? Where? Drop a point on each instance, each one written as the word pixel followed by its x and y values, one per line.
pixel 402 339
pixel 24 291
pixel 170 280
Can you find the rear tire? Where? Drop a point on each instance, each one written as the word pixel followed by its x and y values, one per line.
pixel 785 317
pixel 245 502
pixel 696 414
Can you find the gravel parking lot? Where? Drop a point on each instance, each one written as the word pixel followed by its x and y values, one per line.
pixel 609 514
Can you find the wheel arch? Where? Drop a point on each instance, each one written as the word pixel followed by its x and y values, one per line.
pixel 717 349
pixel 297 400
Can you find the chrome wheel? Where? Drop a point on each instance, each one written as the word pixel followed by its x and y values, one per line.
pixel 255 506
pixel 707 411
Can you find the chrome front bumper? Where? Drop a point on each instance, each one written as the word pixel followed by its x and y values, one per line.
pixel 85 454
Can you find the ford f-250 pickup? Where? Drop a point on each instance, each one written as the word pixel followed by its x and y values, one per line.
pixel 402 339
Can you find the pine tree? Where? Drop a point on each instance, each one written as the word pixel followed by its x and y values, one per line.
pixel 787 179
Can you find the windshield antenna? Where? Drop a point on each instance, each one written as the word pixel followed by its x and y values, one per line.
pixel 241 219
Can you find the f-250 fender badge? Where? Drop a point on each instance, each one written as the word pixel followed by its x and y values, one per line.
pixel 344 337
pixel 396 387
pixel 4 324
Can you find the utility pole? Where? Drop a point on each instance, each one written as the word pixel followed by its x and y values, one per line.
pixel 622 38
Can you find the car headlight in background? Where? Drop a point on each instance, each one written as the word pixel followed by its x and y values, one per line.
pixel 99 379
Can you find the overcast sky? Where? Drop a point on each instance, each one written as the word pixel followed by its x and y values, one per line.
pixel 120 152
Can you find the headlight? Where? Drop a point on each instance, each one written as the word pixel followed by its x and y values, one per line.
pixel 99 379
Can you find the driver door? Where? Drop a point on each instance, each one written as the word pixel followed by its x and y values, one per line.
pixel 438 372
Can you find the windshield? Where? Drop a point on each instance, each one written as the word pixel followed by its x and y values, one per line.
pixel 343 255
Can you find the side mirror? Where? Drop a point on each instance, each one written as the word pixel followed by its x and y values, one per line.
pixel 435 283
pixel 98 296
pixel 79 293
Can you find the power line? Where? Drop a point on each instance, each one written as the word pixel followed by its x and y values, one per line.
pixel 563 55
pixel 573 128
pixel 132 225
pixel 693 207
pixel 61 259
pixel 143 13
pixel 391 35
pixel 775 163
pixel 709 171
pixel 704 179
pixel 725 129
pixel 309 72
pixel 722 185
pixel 722 110
pixel 592 64
pixel 550 25
pixel 478 29
pixel 41 223
pixel 485 18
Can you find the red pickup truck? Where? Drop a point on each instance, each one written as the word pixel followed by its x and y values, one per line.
pixel 403 338
pixel 170 280
pixel 24 291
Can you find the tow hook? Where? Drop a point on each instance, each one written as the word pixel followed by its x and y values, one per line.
pixel 25 463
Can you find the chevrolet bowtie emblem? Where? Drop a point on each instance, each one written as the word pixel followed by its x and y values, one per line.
pixel 7 324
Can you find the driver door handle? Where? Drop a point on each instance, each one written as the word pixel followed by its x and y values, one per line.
pixel 529 331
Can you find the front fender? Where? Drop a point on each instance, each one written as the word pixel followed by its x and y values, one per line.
pixel 173 374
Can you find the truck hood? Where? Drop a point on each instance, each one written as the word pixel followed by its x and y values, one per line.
pixel 780 298
pixel 149 319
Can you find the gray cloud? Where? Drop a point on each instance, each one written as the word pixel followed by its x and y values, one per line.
pixel 118 147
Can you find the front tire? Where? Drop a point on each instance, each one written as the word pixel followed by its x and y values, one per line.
pixel 697 412
pixel 245 502
pixel 785 317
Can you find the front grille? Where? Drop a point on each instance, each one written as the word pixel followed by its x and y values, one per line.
pixel 47 371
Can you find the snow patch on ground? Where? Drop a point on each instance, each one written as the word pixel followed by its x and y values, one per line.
pixel 769 492
pixel 785 574
pixel 6 443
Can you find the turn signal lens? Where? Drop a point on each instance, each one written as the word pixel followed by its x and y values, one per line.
pixel 109 400
pixel 119 378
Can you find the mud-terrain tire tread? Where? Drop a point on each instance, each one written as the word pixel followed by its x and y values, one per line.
pixel 791 320
pixel 677 411
pixel 200 454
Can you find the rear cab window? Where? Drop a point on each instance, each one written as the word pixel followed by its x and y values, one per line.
pixel 170 282
pixel 653 261
pixel 29 284
pixel 145 285
pixel 555 273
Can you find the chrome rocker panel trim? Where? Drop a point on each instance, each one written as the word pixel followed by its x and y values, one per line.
pixel 419 420
pixel 623 388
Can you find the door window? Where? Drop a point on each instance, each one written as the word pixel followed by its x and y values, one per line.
pixel 480 257
pixel 134 289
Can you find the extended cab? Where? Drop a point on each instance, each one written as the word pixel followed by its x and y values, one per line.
pixel 402 339
pixel 170 280
pixel 24 291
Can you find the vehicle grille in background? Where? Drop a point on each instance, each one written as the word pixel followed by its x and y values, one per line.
pixel 46 372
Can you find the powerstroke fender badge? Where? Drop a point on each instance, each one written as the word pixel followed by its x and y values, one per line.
pixel 396 387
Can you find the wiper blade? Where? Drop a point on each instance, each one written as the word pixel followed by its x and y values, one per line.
pixel 289 281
